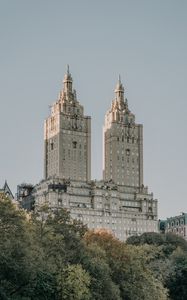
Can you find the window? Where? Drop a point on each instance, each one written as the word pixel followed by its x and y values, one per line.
pixel 52 145
pixel 127 152
pixel 74 145
pixel 59 202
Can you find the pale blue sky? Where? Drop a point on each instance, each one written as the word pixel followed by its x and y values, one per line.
pixel 144 41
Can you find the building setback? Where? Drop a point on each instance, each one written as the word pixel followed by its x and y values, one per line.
pixel 120 202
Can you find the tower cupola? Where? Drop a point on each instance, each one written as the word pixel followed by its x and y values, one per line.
pixel 119 90
pixel 68 81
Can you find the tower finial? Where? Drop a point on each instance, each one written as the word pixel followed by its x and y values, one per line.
pixel 67 69
pixel 119 79
pixel 119 86
pixel 67 76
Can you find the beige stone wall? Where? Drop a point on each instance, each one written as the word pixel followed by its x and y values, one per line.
pixel 123 144
pixel 75 152
pixel 124 210
pixel 123 154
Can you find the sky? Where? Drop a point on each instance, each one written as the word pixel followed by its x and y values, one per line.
pixel 145 41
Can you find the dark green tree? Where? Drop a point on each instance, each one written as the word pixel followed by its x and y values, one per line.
pixel 128 268
pixel 168 261
pixel 17 262
pixel 177 281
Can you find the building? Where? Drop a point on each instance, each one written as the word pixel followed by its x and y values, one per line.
pixel 124 210
pixel 176 225
pixel 120 202
pixel 7 191
pixel 123 143
pixel 25 197
pixel 67 136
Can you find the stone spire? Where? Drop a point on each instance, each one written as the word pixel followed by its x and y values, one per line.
pixel 67 82
pixel 119 90
pixel 67 98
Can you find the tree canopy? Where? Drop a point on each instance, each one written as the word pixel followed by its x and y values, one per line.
pixel 47 255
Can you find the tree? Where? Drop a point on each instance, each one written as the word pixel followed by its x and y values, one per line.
pixel 177 281
pixel 15 255
pixel 169 261
pixel 169 241
pixel 128 268
pixel 74 283
pixel 60 244
pixel 102 286
pixel 150 238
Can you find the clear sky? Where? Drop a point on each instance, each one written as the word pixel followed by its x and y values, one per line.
pixel 144 41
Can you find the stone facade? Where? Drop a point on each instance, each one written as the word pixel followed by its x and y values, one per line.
pixel 25 196
pixel 67 136
pixel 119 202
pixel 123 143
pixel 124 210
pixel 176 225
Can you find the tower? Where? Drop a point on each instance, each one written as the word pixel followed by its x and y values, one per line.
pixel 123 143
pixel 67 137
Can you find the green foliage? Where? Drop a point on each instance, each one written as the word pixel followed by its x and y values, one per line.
pixel 47 255
pixel 35 250
pixel 74 283
pixel 14 249
pixel 168 261
pixel 177 281
pixel 127 268
pixel 102 286
pixel 150 238
pixel 169 240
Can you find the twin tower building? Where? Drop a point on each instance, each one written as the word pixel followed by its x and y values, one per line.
pixel 68 140
pixel 120 202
